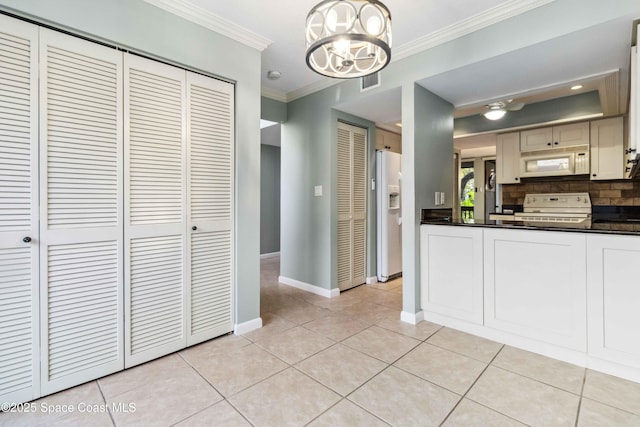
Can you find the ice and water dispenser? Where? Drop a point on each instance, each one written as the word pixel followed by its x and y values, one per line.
pixel 393 196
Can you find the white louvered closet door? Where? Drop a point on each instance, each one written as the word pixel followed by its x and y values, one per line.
pixel 210 123
pixel 81 228
pixel 155 209
pixel 352 190
pixel 19 325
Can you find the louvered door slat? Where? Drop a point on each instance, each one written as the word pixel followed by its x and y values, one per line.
pixel 352 200
pixel 81 202
pixel 19 317
pixel 210 207
pixel 155 212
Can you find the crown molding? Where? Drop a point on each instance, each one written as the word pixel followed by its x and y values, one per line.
pixel 313 87
pixel 276 95
pixel 213 22
pixel 474 23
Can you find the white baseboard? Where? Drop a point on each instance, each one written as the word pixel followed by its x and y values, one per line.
pixel 244 327
pixel 327 293
pixel 411 318
pixel 270 255
pixel 372 280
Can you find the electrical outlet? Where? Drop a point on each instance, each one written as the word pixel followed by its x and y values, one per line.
pixel 317 190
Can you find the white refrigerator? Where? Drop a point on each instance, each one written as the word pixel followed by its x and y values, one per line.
pixel 389 214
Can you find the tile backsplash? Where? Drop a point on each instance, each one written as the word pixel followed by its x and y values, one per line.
pixel 603 193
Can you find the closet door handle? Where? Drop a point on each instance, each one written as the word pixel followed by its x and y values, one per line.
pixel 26 239
pixel 194 228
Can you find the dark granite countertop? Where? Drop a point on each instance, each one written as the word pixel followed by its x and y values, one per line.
pixel 602 226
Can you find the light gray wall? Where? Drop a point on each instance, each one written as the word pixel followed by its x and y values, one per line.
pixel 273 110
pixel 428 163
pixel 269 198
pixel 144 28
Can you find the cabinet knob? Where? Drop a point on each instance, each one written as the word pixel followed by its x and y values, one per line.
pixel 26 239
pixel 549 144
pixel 516 178
pixel 194 228
pixel 555 143
pixel 594 174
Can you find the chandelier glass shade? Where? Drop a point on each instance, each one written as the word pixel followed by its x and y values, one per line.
pixel 348 38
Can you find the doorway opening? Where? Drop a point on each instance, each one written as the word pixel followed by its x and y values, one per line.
pixel 467 191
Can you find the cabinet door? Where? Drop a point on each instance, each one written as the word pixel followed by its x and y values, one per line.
pixel 508 158
pixel 607 149
pixel 536 139
pixel 534 284
pixel 155 209
pixel 81 228
pixel 451 271
pixel 210 208
pixel 613 298
pixel 19 338
pixel 571 135
pixel 634 109
pixel 394 141
pixel 380 144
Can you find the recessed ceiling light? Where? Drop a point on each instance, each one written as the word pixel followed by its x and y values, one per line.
pixel 576 87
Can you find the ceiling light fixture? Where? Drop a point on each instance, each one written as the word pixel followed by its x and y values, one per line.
pixel 273 75
pixel 496 111
pixel 348 38
pixel 576 87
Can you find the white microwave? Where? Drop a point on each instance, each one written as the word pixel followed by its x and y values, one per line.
pixel 573 161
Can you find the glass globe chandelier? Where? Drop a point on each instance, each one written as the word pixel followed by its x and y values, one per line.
pixel 348 38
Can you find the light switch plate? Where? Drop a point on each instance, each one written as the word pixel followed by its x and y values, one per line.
pixel 317 190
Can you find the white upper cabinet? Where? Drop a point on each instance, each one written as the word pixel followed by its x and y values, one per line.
pixel 388 141
pixel 508 158
pixel 569 135
pixel 607 145
pixel 634 110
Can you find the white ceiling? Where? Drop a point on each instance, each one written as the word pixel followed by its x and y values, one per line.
pixel 533 74
pixel 280 27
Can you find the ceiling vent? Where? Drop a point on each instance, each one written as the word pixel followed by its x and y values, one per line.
pixel 370 81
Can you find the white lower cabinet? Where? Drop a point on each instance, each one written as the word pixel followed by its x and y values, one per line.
pixel 569 295
pixel 534 285
pixel 614 298
pixel 451 271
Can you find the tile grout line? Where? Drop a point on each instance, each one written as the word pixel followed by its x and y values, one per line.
pixel 473 384
pixel 105 401
pixel 584 381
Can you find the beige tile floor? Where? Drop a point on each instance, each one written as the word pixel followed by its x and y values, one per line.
pixel 347 361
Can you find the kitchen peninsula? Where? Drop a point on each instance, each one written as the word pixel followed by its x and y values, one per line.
pixel 564 292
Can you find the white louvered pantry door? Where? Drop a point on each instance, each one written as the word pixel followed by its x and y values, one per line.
pixel 210 121
pixel 352 199
pixel 19 324
pixel 81 228
pixel 155 209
